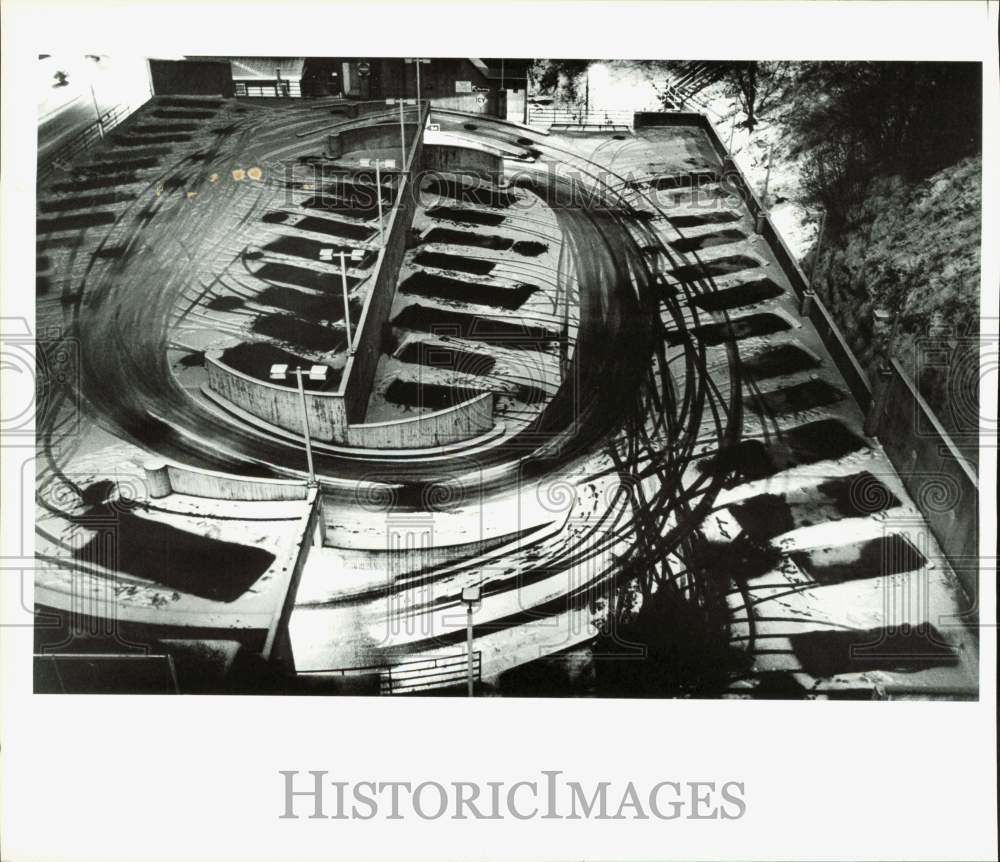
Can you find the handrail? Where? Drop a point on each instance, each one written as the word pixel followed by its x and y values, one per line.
pixel 403 677
pixel 83 140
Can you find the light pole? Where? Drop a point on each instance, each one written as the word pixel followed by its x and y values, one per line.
pixel 417 61
pixel 471 596
pixel 316 372
pixel 93 96
pixel 402 130
pixel 357 254
pixel 391 165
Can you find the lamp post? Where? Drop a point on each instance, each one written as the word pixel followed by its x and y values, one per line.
pixel 391 165
pixel 402 130
pixel 93 97
pixel 357 254
pixel 316 372
pixel 471 596
pixel 417 61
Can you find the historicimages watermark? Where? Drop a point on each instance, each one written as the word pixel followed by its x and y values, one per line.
pixel 547 796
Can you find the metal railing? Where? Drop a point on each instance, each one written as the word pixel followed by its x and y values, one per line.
pixel 413 675
pixel 551 116
pixel 277 89
pixel 62 157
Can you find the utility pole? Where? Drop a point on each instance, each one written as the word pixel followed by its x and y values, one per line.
pixel 305 426
pixel 347 307
pixel 97 111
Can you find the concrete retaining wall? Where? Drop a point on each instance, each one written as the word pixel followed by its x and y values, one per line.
pixel 941 482
pixel 277 647
pixel 279 405
pixel 163 479
pixel 441 428
pixel 359 374
pixel 384 136
pixel 463 160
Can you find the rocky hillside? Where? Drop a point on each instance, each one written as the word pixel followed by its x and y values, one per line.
pixel 913 250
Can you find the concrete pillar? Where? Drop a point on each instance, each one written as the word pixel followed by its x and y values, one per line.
pixel 157 479
pixel 334 146
pixel 806 306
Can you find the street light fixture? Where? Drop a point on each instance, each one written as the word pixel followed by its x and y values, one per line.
pixel 471 596
pixel 378 163
pixel 402 132
pixel 417 61
pixel 357 254
pixel 318 373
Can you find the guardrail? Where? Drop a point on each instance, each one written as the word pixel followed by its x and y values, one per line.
pixel 278 89
pixel 65 153
pixel 550 116
pixel 413 675
pixel 163 479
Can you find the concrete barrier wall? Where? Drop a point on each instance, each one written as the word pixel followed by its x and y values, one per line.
pixel 279 405
pixel 850 369
pixel 942 483
pixel 359 373
pixel 441 428
pixel 163 479
pixel 442 157
pixel 277 647
pixel 384 136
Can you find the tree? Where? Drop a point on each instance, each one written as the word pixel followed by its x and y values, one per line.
pixel 548 75
pixel 756 86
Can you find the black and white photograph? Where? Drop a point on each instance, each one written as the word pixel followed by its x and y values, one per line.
pixel 508 377
pixel 658 376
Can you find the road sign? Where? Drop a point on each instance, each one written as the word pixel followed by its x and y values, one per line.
pixel 480 100
pixel 364 68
